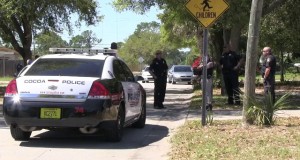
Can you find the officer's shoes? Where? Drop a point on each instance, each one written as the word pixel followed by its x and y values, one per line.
pixel 156 107
pixel 209 107
pixel 159 107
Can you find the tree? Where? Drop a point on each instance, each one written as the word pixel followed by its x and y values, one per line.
pixel 86 40
pixel 251 56
pixel 229 28
pixel 278 31
pixel 47 40
pixel 19 18
pixel 144 42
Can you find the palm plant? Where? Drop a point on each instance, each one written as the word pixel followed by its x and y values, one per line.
pixel 263 112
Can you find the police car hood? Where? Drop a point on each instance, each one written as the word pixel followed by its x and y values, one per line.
pixel 62 88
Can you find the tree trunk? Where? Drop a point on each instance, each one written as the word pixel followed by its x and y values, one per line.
pixel 217 44
pixel 251 57
pixel 281 68
pixel 235 36
pixel 199 33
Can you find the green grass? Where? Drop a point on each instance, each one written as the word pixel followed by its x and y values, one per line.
pixel 229 140
pixel 6 78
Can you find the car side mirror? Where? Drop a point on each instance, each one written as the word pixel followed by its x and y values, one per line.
pixel 138 78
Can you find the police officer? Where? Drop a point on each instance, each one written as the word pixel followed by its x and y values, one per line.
pixel 158 69
pixel 268 72
pixel 230 63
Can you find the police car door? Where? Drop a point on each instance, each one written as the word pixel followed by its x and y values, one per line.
pixel 132 91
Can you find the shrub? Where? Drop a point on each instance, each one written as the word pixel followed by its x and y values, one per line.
pixel 262 112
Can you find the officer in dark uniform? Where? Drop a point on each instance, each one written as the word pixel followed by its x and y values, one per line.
pixel 158 69
pixel 268 72
pixel 230 63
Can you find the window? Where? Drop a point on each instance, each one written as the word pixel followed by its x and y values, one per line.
pixel 182 69
pixel 66 67
pixel 118 71
pixel 127 72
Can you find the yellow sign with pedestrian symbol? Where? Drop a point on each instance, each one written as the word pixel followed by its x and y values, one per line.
pixel 207 11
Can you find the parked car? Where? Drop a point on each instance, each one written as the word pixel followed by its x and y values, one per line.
pixel 146 75
pixel 180 74
pixel 90 92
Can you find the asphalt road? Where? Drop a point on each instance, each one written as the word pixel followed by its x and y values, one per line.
pixel 151 142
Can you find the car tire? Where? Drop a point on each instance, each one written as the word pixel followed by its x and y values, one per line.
pixel 116 132
pixel 140 123
pixel 173 81
pixel 189 83
pixel 143 81
pixel 18 134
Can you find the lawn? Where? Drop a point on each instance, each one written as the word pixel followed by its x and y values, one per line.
pixel 229 139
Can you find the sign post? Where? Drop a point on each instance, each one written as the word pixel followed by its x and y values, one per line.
pixel 206 12
pixel 141 60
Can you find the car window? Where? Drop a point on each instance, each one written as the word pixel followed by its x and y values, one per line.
pixel 118 71
pixel 66 67
pixel 182 69
pixel 127 72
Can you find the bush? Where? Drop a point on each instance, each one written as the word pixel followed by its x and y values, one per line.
pixel 262 113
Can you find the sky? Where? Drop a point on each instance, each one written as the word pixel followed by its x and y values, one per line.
pixel 115 26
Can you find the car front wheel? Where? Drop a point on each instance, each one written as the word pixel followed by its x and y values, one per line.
pixel 173 81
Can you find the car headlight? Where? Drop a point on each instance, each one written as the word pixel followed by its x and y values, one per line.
pixel 176 76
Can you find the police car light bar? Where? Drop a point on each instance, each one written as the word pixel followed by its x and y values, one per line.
pixel 83 50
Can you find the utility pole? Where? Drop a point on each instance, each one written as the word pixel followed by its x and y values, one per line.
pixel 251 55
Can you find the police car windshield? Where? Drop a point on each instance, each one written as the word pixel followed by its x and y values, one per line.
pixel 66 67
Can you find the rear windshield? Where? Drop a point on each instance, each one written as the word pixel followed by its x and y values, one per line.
pixel 183 69
pixel 66 67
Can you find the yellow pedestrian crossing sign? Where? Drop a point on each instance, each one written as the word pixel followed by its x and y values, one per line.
pixel 206 11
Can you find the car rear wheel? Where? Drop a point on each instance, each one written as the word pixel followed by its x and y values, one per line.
pixel 115 133
pixel 18 134
pixel 140 123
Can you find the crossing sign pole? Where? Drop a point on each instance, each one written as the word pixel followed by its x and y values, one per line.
pixel 206 12
pixel 204 74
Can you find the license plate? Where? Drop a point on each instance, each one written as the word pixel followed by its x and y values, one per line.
pixel 50 113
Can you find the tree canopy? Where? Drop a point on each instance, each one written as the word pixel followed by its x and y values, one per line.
pixel 20 18
pixel 46 40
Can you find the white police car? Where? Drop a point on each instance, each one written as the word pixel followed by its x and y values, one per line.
pixel 85 91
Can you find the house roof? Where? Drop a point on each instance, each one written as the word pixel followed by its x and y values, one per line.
pixel 8 52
